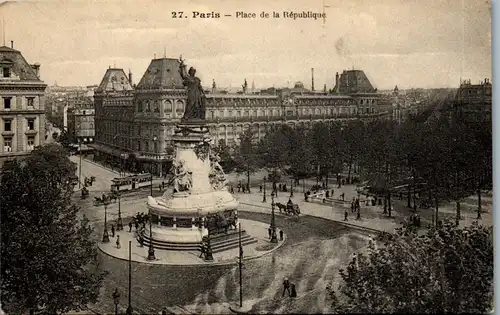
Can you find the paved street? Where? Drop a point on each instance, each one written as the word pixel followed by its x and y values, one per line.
pixel 314 251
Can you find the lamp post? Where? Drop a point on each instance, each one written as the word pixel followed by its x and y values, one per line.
pixel 105 235
pixel 129 308
pixel 264 197
pixel 116 300
pixel 80 170
pixel 119 223
pixel 151 250
pixel 291 187
pixel 274 238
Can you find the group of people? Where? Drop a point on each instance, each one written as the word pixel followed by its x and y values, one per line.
pixel 270 232
pixel 243 188
pixel 290 288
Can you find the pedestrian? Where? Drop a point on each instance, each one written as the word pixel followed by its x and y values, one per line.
pixel 345 215
pixel 260 188
pixel 327 194
pixel 352 206
pixel 279 186
pixel 358 216
pixel 162 184
pixel 232 189
pixel 293 292
pixel 202 250
pixel 270 232
pixel 136 223
pixel 332 193
pixel 118 242
pixel 130 226
pixel 239 187
pixel 159 187
pixel 342 195
pixel 286 287
pixel 281 234
pixel 112 230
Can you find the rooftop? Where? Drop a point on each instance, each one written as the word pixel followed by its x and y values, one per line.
pixel 162 73
pixel 20 69
pixel 114 79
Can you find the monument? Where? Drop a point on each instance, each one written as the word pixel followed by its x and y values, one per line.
pixel 199 207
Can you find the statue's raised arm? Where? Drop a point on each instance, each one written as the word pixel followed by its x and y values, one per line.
pixel 182 68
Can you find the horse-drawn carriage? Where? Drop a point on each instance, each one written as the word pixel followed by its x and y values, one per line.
pixel 289 209
pixel 108 198
pixel 220 223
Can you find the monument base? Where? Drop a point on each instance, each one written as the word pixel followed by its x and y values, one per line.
pixel 184 240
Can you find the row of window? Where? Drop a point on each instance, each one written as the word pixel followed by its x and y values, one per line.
pixel 7 124
pixel 7 143
pixel 7 102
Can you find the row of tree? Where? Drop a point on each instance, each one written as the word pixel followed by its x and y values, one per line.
pixel 447 153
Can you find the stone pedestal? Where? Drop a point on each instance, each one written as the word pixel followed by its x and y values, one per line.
pixel 181 215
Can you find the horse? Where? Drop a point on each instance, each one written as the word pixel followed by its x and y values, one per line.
pixel 281 207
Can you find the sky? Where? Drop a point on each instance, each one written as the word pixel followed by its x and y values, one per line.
pixel 409 43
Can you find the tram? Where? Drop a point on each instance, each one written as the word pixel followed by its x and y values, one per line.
pixel 132 182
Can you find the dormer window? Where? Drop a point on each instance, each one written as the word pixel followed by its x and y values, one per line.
pixel 6 72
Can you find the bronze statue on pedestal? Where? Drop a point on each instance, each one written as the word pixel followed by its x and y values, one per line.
pixel 196 99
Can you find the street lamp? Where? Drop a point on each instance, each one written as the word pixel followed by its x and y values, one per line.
pixel 119 223
pixel 116 300
pixel 264 197
pixel 105 235
pixel 151 250
pixel 291 187
pixel 80 170
pixel 274 238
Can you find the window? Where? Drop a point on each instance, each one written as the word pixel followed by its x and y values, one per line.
pixel 155 146
pixel 31 124
pixel 30 101
pixel 7 125
pixel 31 143
pixel 6 102
pixel 138 145
pixel 6 72
pixel 7 144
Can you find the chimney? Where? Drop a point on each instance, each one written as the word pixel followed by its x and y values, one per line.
pixel 130 76
pixel 12 44
pixel 312 79
pixel 36 68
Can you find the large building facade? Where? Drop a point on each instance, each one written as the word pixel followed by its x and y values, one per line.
pixel 474 100
pixel 137 130
pixel 22 111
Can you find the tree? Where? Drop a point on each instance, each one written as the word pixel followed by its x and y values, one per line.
pixel 448 269
pixel 273 151
pixel 300 157
pixel 224 152
pixel 246 156
pixel 48 256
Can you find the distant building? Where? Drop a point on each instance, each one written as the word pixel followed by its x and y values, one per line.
pixel 22 107
pixel 80 121
pixel 474 100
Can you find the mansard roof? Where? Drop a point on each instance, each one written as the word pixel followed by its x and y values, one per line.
pixel 20 69
pixel 162 73
pixel 114 79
